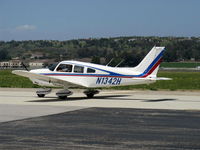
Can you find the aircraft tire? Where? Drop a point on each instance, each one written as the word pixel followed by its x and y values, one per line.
pixel 40 95
pixel 62 97
pixel 90 95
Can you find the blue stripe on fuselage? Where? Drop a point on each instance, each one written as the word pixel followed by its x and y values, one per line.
pixel 111 74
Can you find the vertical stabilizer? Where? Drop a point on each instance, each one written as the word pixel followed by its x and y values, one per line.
pixel 150 64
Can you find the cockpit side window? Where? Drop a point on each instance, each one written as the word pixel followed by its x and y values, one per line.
pixel 78 69
pixel 64 68
pixel 89 70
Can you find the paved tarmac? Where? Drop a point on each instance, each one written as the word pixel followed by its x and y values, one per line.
pixel 18 104
pixel 10 112
pixel 105 128
pixel 111 120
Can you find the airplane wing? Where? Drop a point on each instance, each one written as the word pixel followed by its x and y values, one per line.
pixel 53 80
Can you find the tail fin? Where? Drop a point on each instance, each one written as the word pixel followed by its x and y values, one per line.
pixel 150 64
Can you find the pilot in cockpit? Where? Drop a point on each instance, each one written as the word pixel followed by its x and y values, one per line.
pixel 64 68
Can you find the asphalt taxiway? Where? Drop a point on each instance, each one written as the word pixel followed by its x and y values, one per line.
pixel 111 120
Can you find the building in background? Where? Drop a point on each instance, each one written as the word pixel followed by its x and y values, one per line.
pixel 36 64
pixel 10 64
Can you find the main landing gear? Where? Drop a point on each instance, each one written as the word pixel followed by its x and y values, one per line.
pixel 91 92
pixel 63 94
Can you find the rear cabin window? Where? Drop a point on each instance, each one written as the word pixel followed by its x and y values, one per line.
pixel 78 69
pixel 64 68
pixel 89 70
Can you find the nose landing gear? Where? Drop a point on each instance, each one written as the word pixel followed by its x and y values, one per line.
pixel 43 91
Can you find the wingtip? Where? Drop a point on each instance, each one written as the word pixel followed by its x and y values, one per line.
pixel 18 71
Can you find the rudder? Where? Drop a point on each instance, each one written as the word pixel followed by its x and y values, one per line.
pixel 150 64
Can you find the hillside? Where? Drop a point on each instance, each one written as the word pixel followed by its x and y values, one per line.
pixel 129 49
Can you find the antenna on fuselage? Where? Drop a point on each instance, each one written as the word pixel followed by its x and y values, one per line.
pixel 109 62
pixel 119 63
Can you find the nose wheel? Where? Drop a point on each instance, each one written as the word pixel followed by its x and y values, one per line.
pixel 43 91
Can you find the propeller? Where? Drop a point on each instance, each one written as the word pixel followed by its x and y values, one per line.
pixel 25 66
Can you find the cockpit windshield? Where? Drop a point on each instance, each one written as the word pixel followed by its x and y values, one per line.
pixel 52 66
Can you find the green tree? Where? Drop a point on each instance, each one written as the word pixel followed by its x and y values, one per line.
pixel 4 55
pixel 96 60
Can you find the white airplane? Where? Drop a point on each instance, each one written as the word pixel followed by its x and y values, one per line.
pixel 75 73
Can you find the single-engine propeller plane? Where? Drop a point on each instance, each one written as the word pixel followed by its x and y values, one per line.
pixel 68 74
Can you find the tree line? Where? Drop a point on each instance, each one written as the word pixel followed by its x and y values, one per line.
pixel 130 49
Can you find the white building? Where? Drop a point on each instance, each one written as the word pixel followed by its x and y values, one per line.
pixel 36 64
pixel 11 64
